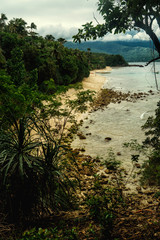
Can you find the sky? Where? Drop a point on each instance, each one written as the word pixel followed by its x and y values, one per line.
pixel 61 18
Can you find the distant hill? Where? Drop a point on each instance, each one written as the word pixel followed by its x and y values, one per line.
pixel 132 51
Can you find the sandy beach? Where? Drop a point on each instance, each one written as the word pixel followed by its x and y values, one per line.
pixel 94 82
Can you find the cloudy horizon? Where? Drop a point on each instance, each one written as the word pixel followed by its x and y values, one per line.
pixel 61 18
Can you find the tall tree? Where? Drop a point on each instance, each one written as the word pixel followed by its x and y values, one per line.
pixel 49 37
pixel 122 15
pixel 3 19
pixel 61 40
pixel 17 25
pixel 32 27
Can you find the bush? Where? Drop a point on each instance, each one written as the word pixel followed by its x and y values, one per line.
pixel 103 205
pixel 48 234
pixel 32 179
pixel 152 141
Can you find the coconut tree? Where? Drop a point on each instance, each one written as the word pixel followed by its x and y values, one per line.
pixel 3 19
pixel 17 25
pixel 49 37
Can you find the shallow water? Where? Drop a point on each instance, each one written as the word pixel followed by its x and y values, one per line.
pixel 120 122
pixel 134 79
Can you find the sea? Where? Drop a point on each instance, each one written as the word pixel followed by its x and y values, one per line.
pixel 123 121
pixel 134 78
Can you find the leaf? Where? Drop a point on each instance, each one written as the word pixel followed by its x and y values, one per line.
pixel 21 165
pixel 8 165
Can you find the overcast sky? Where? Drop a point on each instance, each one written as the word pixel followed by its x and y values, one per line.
pixel 61 18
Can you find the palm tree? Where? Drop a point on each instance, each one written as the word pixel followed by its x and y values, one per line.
pixel 3 21
pixel 49 37
pixel 61 40
pixel 17 25
pixel 31 27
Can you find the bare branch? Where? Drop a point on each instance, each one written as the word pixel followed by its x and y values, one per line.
pixel 95 18
pixel 153 60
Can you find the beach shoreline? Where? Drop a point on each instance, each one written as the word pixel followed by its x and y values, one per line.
pixel 119 122
pixel 95 81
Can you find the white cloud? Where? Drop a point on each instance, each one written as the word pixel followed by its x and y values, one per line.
pixel 58 31
pixel 141 36
pixel 117 37
pixel 158 32
pixel 62 18
pixel 49 14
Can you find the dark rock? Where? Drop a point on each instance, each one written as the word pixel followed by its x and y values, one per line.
pixel 119 154
pixel 107 139
pixel 81 136
pixel 138 165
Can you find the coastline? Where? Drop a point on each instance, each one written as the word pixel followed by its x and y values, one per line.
pixel 119 122
pixel 94 81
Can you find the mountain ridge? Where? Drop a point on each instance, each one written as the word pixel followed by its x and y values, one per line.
pixel 132 51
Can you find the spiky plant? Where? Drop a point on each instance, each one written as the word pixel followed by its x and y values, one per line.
pixel 57 191
pixel 33 178
pixel 19 166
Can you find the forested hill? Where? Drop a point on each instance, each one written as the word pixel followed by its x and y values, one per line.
pixel 36 67
pixel 132 51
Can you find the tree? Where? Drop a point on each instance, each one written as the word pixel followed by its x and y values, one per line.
pixel 61 40
pixel 32 27
pixel 122 15
pixel 17 25
pixel 3 19
pixel 49 37
pixel 16 67
pixel 2 59
pixel 35 162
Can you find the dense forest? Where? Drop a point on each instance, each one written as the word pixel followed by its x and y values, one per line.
pixel 35 60
pixel 101 60
pixel 132 51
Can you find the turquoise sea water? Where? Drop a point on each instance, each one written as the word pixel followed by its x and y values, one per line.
pixel 134 79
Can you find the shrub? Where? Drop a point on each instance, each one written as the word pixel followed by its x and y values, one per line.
pixel 152 131
pixel 48 234
pixel 103 205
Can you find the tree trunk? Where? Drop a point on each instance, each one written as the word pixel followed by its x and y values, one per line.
pixel 152 35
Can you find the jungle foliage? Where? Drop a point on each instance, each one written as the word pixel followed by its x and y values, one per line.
pixel 152 131
pixel 101 60
pixel 31 59
pixel 35 159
